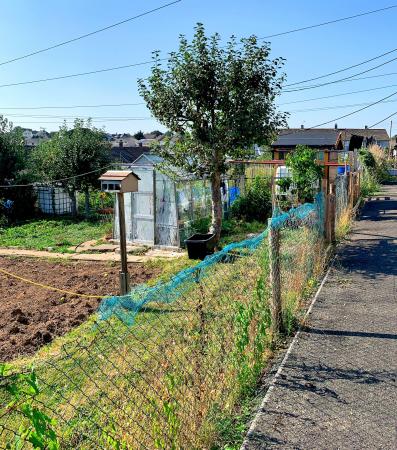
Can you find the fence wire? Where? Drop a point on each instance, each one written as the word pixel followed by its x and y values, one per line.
pixel 162 367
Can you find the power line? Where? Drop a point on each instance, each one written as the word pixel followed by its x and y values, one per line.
pixel 326 108
pixel 72 107
pixel 109 69
pixel 328 22
pixel 48 116
pixel 337 95
pixel 57 181
pixel 345 115
pixel 342 70
pixel 303 88
pixel 71 121
pixel 62 77
pixel 373 76
pixel 143 103
pixel 83 36
pixel 388 117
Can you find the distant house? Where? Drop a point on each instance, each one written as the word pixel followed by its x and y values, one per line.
pixel 328 141
pixel 377 136
pixel 33 138
pixel 123 140
pixel 127 155
pixel 147 141
pixel 332 144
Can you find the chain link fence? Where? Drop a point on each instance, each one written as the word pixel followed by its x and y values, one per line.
pixel 164 366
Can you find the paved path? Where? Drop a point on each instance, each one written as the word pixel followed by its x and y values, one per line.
pixel 338 388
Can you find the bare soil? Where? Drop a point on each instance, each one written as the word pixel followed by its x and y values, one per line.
pixel 31 316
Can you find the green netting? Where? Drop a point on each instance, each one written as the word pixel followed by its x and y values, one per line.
pixel 126 307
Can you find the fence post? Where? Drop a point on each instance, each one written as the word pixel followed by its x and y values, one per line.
pixel 275 278
pixel 124 280
pixel 350 190
pixel 330 213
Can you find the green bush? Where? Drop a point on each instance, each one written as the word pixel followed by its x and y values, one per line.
pixel 306 173
pixel 375 164
pixel 98 200
pixel 369 184
pixel 256 203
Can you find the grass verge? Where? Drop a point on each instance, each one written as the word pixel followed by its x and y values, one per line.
pixel 58 234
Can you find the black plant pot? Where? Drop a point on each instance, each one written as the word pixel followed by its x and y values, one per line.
pixel 200 245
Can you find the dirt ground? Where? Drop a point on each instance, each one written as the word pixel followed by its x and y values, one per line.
pixel 31 316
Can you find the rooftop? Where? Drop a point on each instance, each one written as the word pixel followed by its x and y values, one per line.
pixel 325 137
pixel 317 137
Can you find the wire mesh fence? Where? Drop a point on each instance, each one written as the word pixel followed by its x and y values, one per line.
pixel 161 367
pixel 51 199
pixel 341 195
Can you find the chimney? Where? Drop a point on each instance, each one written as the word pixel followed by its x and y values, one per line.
pixel 121 143
pixel 336 126
pixel 302 127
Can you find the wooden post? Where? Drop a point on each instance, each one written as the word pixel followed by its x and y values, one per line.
pixel 124 278
pixel 350 190
pixel 275 278
pixel 273 193
pixel 330 215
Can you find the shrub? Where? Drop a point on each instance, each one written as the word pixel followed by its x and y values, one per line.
pixel 256 203
pixel 369 184
pixel 375 164
pixel 306 173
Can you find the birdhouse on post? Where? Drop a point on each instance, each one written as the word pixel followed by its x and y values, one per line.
pixel 120 182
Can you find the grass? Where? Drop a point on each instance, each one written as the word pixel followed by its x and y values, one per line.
pixel 183 375
pixel 237 230
pixel 58 234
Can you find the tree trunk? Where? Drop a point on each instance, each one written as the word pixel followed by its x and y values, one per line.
pixel 216 205
pixel 87 203
pixel 72 196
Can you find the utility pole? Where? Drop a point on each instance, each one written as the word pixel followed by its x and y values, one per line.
pixel 391 126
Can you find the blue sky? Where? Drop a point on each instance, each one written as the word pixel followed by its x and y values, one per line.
pixel 26 26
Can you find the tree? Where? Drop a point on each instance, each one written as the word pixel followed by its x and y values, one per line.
pixel 156 133
pixel 12 160
pixel 306 173
pixel 139 135
pixel 75 157
pixel 218 101
pixel 12 171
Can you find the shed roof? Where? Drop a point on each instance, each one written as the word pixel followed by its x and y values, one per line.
pixel 117 175
pixel 317 137
pixel 323 137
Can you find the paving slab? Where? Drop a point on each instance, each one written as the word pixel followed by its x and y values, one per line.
pixel 337 388
pixel 106 256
